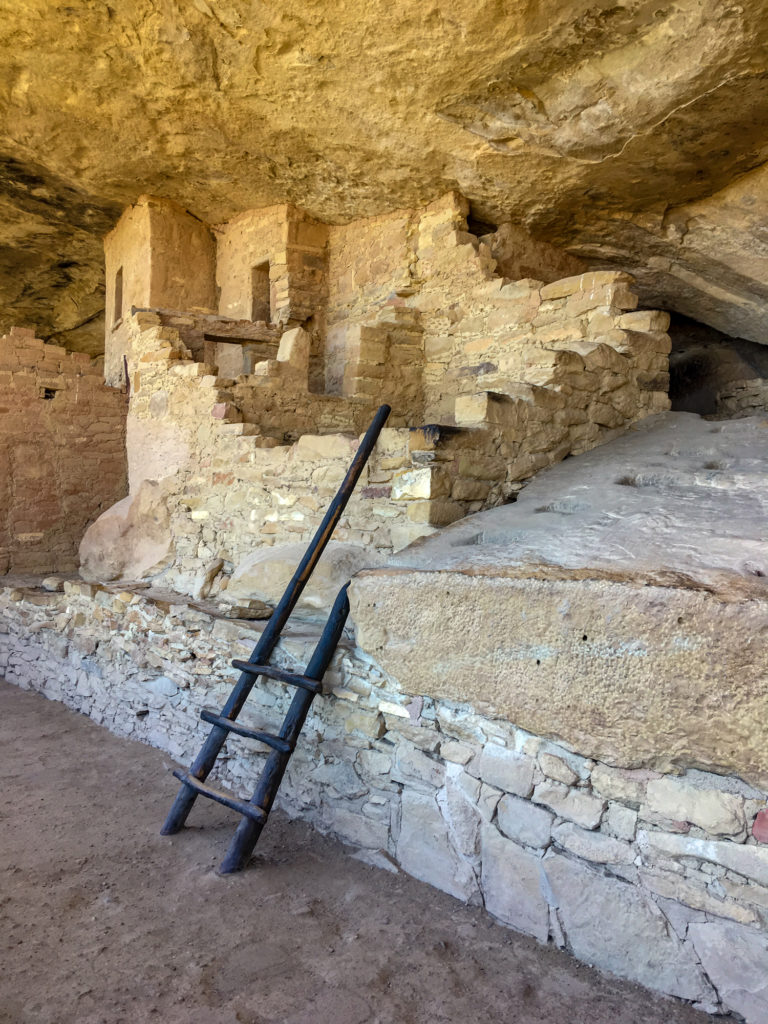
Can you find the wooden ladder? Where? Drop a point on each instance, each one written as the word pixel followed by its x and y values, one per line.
pixel 256 810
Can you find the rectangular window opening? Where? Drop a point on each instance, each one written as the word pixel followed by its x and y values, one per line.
pixel 260 303
pixel 118 311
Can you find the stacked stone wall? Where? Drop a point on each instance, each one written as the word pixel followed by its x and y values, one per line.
pixel 743 398
pixel 157 255
pixel 292 243
pixel 657 877
pixel 62 452
pixel 242 466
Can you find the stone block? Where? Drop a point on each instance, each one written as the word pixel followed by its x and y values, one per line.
pixel 760 826
pixel 644 320
pixel 736 959
pixel 524 822
pixel 352 827
pixel 325 447
pixel 470 490
pixel 424 850
pixel 365 722
pixel 584 809
pixel 714 811
pixel 435 511
pixel 429 482
pixel 671 885
pixel 458 804
pixel 458 753
pixel 511 883
pixel 750 861
pixel 505 769
pixel 592 846
pixel 294 350
pixel 626 785
pixel 612 925
pixel 584 283
pixel 412 765
pixel 556 768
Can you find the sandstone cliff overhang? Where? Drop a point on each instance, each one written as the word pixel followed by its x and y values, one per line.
pixel 633 134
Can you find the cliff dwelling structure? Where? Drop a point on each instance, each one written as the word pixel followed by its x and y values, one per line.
pixel 229 234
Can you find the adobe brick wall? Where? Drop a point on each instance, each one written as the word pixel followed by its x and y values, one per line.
pixel 62 452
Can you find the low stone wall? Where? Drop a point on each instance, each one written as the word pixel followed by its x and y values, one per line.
pixel 656 877
pixel 743 398
pixel 62 451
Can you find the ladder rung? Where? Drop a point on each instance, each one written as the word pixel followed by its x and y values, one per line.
pixel 280 674
pixel 241 806
pixel 276 742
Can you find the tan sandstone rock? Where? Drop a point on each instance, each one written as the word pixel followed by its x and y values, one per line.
pixel 131 541
pixel 265 574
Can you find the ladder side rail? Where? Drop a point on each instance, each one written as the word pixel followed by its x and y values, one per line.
pixel 206 759
pixel 248 831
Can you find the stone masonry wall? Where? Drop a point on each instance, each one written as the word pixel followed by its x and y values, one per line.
pixel 62 457
pixel 164 257
pixel 510 376
pixel 659 878
pixel 236 465
pixel 743 398
pixel 481 333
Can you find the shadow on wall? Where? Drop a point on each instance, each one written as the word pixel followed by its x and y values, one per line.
pixel 705 364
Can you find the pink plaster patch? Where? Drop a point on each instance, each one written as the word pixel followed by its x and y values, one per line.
pixel 219 411
pixel 760 827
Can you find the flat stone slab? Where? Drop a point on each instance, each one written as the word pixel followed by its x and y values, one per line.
pixel 677 500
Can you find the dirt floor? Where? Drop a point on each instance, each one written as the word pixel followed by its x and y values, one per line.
pixel 104 921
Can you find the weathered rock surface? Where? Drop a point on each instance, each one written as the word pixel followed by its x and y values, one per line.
pixel 611 925
pixel 626 586
pixel 424 851
pixel 678 501
pixel 265 574
pixel 737 960
pixel 512 885
pixel 130 541
pixel 633 134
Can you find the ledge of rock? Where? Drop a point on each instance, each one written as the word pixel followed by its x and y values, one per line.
pixel 620 605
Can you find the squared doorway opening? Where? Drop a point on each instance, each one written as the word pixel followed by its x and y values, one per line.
pixel 260 304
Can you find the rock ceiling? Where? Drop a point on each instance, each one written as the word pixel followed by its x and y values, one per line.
pixel 633 133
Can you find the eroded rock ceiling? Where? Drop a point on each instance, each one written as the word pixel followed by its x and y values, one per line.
pixel 633 133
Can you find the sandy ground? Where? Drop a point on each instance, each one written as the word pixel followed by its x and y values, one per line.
pixel 104 921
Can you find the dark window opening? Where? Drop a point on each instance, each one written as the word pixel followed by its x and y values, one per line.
pixel 480 227
pixel 118 314
pixel 705 364
pixel 48 393
pixel 260 303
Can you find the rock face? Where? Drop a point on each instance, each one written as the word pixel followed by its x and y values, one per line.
pixel 617 606
pixel 265 574
pixel 632 134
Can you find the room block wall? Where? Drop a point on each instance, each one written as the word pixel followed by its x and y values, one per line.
pixel 165 258
pixel 62 454
pixel 406 309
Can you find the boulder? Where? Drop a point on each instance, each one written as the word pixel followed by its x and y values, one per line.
pixel 131 540
pixel 265 574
